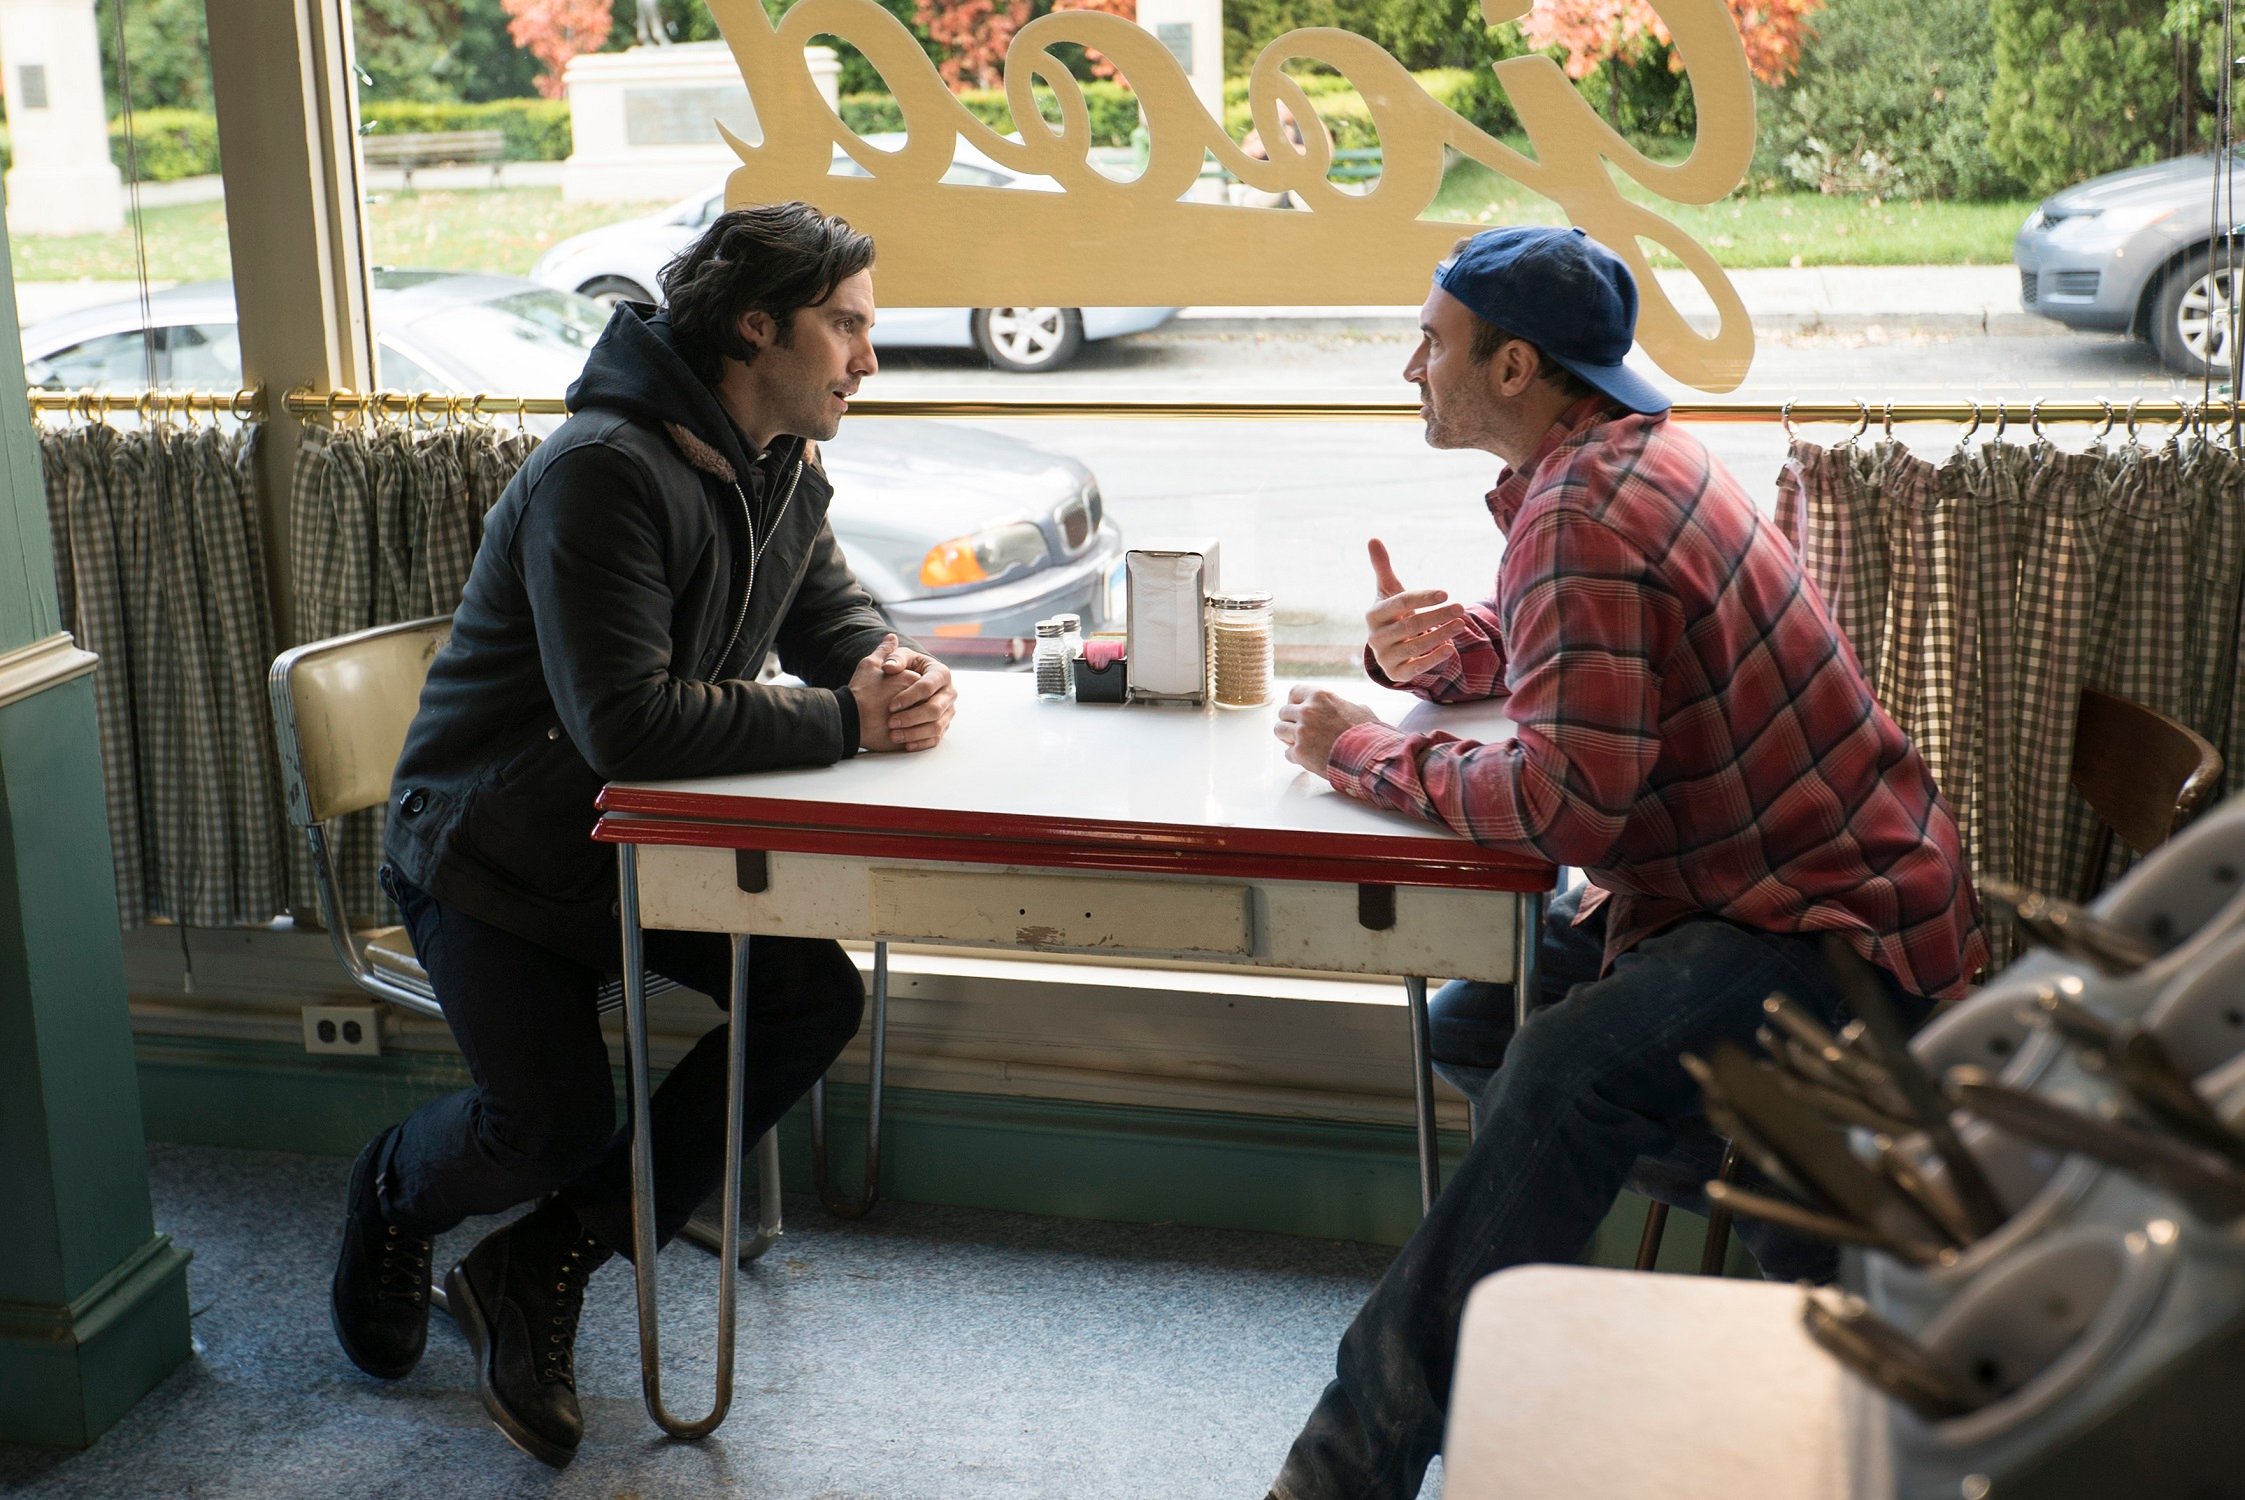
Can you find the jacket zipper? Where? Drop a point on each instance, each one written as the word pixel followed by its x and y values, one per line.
pixel 756 553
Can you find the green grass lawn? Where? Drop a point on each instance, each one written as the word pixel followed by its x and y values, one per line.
pixel 1781 229
pixel 508 228
pixel 505 229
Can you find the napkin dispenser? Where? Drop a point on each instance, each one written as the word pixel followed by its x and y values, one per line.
pixel 1168 583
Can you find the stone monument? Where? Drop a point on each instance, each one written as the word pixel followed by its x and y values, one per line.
pixel 644 120
pixel 62 181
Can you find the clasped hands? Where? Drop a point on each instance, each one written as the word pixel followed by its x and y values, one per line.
pixel 905 699
pixel 1407 632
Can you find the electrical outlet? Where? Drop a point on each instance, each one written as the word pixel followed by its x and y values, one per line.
pixel 355 1029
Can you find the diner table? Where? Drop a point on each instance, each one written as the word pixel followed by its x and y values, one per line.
pixel 1153 831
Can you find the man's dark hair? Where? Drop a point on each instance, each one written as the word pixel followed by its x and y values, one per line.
pixel 774 258
pixel 1488 338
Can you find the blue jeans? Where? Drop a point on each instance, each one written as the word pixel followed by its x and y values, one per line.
pixel 1565 1112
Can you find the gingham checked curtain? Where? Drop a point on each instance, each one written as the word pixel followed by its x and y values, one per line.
pixel 384 522
pixel 1983 593
pixel 161 572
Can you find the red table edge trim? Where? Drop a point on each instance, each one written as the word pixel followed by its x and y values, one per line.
pixel 1451 874
pixel 770 812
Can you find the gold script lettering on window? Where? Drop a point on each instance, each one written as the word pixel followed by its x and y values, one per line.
pixel 1146 241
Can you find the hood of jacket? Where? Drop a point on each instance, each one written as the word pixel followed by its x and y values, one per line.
pixel 635 369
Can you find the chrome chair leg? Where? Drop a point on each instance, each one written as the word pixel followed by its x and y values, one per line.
pixel 706 1228
pixel 1422 1095
pixel 643 1167
pixel 859 1206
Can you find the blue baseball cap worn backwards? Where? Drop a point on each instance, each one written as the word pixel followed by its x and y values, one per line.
pixel 1563 292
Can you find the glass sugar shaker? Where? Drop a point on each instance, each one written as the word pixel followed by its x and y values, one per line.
pixel 1239 649
pixel 1051 661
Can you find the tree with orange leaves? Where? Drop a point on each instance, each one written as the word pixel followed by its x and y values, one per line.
pixel 978 32
pixel 1594 32
pixel 554 31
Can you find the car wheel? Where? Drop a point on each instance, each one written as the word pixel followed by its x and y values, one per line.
pixel 1028 340
pixel 2193 317
pixel 610 290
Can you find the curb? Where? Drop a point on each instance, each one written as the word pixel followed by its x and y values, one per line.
pixel 1347 323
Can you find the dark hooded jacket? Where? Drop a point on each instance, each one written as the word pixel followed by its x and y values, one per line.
pixel 604 634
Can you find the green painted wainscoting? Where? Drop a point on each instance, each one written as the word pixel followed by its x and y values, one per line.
pixel 1327 1179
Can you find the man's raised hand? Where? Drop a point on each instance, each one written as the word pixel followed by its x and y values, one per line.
pixel 1408 630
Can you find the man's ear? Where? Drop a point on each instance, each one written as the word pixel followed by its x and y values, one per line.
pixel 757 328
pixel 1514 368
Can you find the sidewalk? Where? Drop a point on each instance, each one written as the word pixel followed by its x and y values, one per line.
pixel 1898 299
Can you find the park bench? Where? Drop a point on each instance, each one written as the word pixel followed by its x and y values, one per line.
pixel 436 148
pixel 1360 165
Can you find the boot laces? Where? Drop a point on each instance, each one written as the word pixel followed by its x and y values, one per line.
pixel 405 1265
pixel 576 1268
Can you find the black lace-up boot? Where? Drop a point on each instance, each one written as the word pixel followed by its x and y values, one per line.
pixel 379 1302
pixel 516 1297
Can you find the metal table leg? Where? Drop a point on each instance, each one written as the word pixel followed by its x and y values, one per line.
pixel 706 1228
pixel 1422 1095
pixel 1527 960
pixel 859 1206
pixel 643 1167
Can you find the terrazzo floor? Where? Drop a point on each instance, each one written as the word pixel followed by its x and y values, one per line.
pixel 919 1354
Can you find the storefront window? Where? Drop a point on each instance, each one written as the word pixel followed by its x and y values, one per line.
pixel 112 187
pixel 1904 233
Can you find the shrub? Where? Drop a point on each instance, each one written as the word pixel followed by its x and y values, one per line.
pixel 2082 87
pixel 1471 92
pixel 1113 110
pixel 168 144
pixel 536 129
pixel 1889 100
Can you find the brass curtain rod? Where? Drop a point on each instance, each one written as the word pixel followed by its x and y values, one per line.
pixel 248 405
pixel 1861 414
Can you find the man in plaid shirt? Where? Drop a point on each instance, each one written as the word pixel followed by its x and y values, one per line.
pixel 1693 733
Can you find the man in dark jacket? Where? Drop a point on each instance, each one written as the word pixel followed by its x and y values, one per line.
pixel 630 583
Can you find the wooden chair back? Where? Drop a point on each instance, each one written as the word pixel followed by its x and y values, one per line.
pixel 2144 774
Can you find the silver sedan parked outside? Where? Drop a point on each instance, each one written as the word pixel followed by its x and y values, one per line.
pixel 623 262
pixel 2134 252
pixel 963 537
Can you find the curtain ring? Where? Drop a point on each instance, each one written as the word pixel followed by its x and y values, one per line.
pixel 1785 419
pixel 2133 436
pixel 2106 430
pixel 240 405
pixel 2003 421
pixel 417 410
pixel 521 414
pixel 2034 421
pixel 475 409
pixel 1975 427
pixel 334 412
pixel 1862 422
pixel 145 407
pixel 1887 421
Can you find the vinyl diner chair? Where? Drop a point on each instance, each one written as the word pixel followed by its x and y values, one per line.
pixel 341 709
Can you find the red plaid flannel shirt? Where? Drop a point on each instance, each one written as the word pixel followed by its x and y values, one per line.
pixel 1694 733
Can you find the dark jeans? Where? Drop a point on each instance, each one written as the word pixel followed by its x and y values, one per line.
pixel 542 1115
pixel 1564 1112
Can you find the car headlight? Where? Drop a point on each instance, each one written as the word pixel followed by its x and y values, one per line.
pixel 992 552
pixel 2129 219
pixel 2036 221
